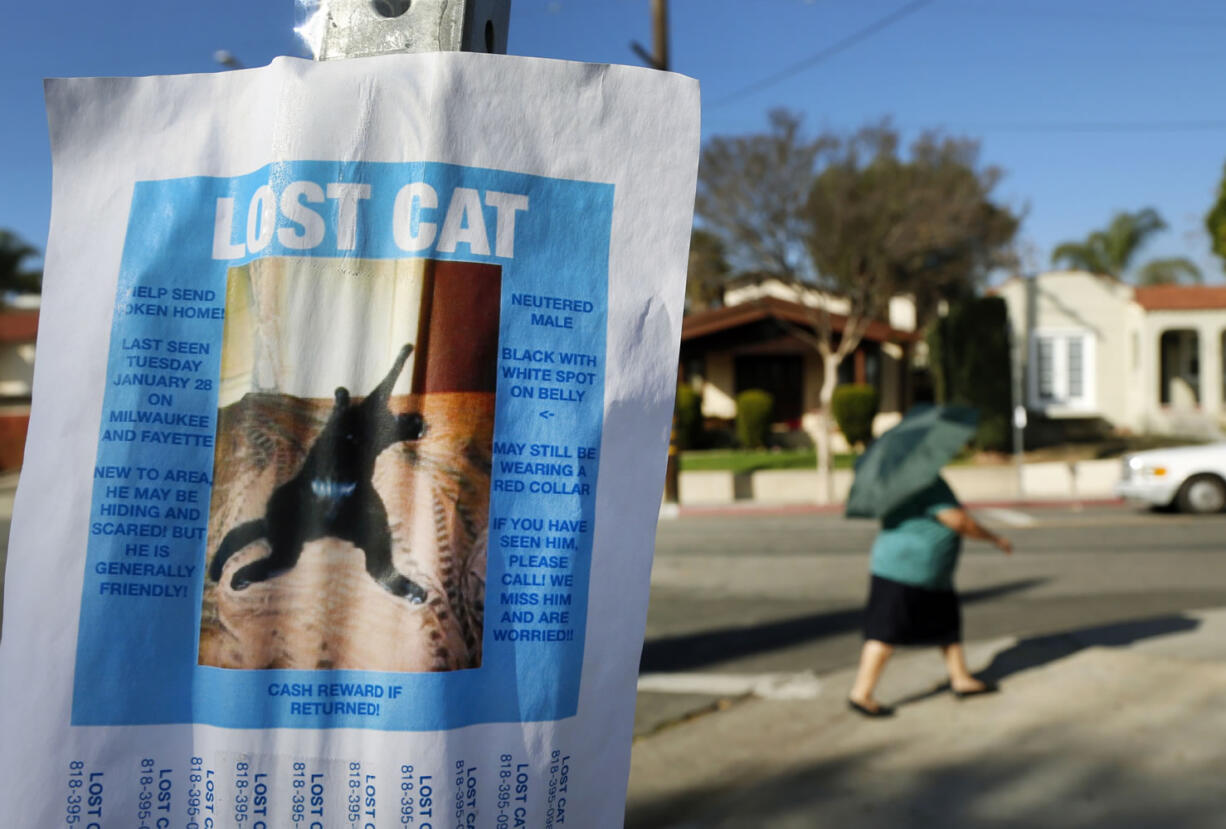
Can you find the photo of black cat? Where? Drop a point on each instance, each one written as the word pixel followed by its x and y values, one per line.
pixel 351 533
pixel 332 494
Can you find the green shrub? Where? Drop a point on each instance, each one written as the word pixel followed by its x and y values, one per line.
pixel 753 417
pixel 995 433
pixel 687 418
pixel 854 406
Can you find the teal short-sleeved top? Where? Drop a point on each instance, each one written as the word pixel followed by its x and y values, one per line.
pixel 915 548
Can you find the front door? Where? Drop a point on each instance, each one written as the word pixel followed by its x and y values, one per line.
pixel 781 375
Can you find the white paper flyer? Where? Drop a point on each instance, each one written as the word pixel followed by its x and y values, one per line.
pixel 350 417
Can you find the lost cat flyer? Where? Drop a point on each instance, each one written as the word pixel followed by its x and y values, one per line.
pixel 350 417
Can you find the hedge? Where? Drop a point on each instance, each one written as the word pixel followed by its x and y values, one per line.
pixel 754 408
pixel 688 418
pixel 854 406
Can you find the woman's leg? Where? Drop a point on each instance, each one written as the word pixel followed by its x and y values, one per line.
pixel 960 678
pixel 873 657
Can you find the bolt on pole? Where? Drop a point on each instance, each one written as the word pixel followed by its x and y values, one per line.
pixel 362 28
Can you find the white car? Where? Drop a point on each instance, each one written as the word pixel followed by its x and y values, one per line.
pixel 1192 478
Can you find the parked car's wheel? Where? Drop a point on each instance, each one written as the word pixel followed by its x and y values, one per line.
pixel 1202 494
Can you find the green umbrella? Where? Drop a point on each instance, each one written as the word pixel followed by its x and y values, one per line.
pixel 908 458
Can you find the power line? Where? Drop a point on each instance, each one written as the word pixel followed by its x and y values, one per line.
pixel 1099 126
pixel 828 52
pixel 1030 13
pixel 1076 127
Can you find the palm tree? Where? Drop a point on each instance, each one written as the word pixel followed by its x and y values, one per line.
pixel 13 277
pixel 1112 251
pixel 1215 221
pixel 1168 272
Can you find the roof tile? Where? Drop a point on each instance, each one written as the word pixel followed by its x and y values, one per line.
pixel 1181 297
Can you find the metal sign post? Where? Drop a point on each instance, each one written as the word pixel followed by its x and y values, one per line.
pixel 362 28
pixel 1019 413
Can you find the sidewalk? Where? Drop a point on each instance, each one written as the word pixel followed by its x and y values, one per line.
pixel 774 508
pixel 989 483
pixel 1119 726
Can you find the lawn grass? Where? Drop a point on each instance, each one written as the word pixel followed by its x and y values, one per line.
pixel 744 461
pixel 754 460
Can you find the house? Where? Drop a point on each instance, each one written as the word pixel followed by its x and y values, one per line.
pixel 18 328
pixel 752 343
pixel 1100 352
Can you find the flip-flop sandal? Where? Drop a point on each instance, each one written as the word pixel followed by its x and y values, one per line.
pixel 877 713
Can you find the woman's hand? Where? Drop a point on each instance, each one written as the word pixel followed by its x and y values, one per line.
pixel 961 522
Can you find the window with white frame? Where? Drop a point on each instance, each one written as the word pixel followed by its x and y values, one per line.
pixel 1062 374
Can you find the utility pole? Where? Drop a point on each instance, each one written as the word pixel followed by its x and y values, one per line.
pixel 1019 410
pixel 658 57
pixel 361 28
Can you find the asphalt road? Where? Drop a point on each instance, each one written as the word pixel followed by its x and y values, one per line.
pixel 748 595
pixel 756 594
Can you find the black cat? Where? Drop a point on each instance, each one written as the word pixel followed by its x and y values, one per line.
pixel 333 495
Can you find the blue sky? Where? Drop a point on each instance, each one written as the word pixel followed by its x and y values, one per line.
pixel 1090 106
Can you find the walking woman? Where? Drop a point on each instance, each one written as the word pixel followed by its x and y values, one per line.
pixel 911 598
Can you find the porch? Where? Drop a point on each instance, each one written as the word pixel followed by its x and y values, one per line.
pixel 757 345
pixel 1184 384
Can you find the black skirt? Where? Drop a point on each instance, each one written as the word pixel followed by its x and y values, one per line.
pixel 901 614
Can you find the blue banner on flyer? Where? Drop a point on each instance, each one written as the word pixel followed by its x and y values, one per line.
pixel 347 463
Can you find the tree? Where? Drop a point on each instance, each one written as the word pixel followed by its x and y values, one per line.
pixel 752 191
pixel 1215 221
pixel 1112 250
pixel 854 216
pixel 707 272
pixel 880 224
pixel 14 278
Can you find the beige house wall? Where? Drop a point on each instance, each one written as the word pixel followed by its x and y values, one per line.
pixel 901 311
pixel 16 369
pixel 719 390
pixel 1069 303
pixel 778 289
pixel 1127 351
pixel 902 314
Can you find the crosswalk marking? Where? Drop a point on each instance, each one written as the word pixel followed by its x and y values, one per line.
pixel 780 686
pixel 1008 516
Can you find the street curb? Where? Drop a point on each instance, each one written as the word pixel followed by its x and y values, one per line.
pixel 761 509
pixel 1054 503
